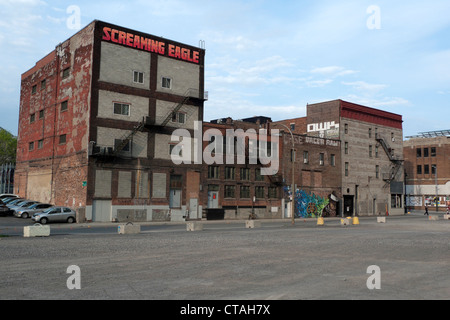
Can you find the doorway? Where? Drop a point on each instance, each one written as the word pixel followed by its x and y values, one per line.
pixel 348 205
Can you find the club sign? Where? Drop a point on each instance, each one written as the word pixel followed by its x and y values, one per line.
pixel 151 45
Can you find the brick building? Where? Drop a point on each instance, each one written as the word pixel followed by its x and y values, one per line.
pixel 427 167
pixel 365 147
pixel 96 118
pixel 239 187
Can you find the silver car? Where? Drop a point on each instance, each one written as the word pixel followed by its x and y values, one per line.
pixel 26 213
pixel 22 205
pixel 55 214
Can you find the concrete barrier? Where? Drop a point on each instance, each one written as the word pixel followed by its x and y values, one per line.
pixel 37 230
pixel 251 224
pixel 381 219
pixel 446 216
pixel 433 218
pixel 345 222
pixel 194 226
pixel 129 228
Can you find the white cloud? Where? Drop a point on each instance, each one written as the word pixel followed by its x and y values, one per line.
pixel 364 86
pixel 318 83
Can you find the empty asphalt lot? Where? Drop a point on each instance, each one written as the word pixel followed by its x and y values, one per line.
pixel 226 261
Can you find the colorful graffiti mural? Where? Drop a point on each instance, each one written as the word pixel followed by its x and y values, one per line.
pixel 308 205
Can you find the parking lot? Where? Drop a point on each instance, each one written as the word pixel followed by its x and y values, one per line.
pixel 227 261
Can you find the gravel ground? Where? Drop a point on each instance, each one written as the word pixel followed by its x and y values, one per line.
pixel 275 262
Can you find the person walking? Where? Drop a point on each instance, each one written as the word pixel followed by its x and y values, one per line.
pixel 426 210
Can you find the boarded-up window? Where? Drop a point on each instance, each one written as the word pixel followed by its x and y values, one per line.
pixel 124 187
pixel 103 184
pixel 159 185
pixel 142 185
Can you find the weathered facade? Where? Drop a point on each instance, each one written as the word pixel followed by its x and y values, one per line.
pixel 427 167
pixel 96 119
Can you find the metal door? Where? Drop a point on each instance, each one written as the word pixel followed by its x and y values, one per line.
pixel 102 211
pixel 193 209
pixel 213 199
pixel 175 198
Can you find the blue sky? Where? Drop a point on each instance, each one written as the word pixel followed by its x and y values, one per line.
pixel 265 57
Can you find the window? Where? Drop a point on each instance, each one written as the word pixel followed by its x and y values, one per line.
pixel 43 84
pixel 32 118
pixel 433 151
pixel 273 193
pixel 346 128
pixel 64 105
pixel 346 169
pixel 33 89
pixel 41 114
pixel 118 143
pixel 433 169
pixel 179 117
pixel 419 152
pixel 40 144
pixel 229 173
pixel 66 73
pixel 346 148
pixel 396 201
pixel 305 157
pixel 425 152
pixel 426 169
pixel 245 174
pixel 213 172
pixel 376 151
pixel 333 160
pixel 370 151
pixel 138 77
pixel 31 146
pixel 176 150
pixel 370 132
pixel 292 126
pixel 377 172
pixel 167 83
pixel 259 192
pixel 321 159
pixel 419 169
pixel 62 139
pixel 121 109
pixel 245 192
pixel 230 191
pixel 258 175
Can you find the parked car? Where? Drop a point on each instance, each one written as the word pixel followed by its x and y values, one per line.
pixel 22 205
pixel 55 214
pixel 8 195
pixel 14 202
pixel 4 210
pixel 26 213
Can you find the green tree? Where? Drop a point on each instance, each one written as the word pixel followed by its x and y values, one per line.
pixel 8 146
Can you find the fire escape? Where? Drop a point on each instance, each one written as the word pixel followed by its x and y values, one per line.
pixel 396 162
pixel 146 123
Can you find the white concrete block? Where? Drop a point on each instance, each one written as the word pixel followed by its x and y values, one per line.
pixel 129 229
pixel 194 226
pixel 446 216
pixel 381 219
pixel 251 224
pixel 37 230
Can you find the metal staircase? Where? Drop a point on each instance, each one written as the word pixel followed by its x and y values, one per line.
pixel 397 163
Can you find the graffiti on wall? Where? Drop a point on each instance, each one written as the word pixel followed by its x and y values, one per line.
pixel 309 205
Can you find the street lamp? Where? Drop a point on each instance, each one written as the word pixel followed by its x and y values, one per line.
pixel 436 184
pixel 293 169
